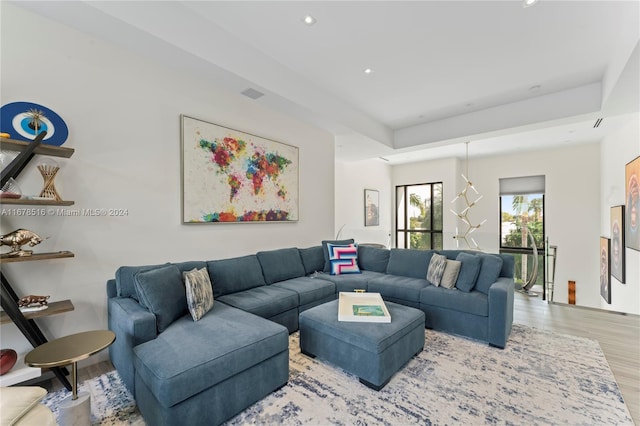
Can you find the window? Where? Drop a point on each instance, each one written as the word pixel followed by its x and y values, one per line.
pixel 522 224
pixel 419 216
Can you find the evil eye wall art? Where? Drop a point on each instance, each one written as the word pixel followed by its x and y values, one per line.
pixel 22 119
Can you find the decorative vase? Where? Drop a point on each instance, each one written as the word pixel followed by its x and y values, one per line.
pixel 8 358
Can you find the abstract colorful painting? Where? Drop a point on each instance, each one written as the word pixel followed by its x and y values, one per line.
pixel 232 176
pixel 632 200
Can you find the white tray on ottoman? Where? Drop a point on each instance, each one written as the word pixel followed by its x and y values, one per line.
pixel 362 307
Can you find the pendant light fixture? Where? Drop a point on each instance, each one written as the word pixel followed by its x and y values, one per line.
pixel 464 214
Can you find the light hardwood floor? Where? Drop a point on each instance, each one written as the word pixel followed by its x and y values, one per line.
pixel 618 335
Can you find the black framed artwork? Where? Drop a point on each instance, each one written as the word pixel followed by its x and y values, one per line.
pixel 371 207
pixel 605 267
pixel 617 243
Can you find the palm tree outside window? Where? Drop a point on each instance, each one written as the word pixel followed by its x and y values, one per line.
pixel 522 225
pixel 419 216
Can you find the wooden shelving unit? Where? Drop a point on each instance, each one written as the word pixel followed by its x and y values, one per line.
pixel 37 256
pixel 25 202
pixel 9 299
pixel 53 309
pixel 53 151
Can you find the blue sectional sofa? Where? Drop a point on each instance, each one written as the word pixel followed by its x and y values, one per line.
pixel 205 372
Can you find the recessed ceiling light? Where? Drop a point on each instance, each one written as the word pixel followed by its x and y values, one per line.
pixel 368 71
pixel 528 3
pixel 309 20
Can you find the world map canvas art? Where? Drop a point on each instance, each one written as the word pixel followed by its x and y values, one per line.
pixel 232 176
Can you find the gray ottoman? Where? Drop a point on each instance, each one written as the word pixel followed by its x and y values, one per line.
pixel 371 351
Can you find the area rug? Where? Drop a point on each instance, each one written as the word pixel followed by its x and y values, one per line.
pixel 111 402
pixel 541 378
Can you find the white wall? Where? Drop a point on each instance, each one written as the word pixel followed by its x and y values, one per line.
pixel 352 178
pixel 123 116
pixel 616 150
pixel 574 208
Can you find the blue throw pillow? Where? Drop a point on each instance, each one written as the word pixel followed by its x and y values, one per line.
pixel 468 271
pixel 161 291
pixel 489 272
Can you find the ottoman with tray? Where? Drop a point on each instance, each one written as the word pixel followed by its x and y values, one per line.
pixel 373 351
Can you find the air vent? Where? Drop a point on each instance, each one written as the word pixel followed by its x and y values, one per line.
pixel 252 93
pixel 384 159
pixel 597 123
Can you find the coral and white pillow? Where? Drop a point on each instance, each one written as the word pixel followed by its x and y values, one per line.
pixel 343 259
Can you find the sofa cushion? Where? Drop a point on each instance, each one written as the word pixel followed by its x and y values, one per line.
pixel 373 258
pixel 450 275
pixel 343 258
pixel 474 302
pixel 226 274
pixel 190 357
pixel 125 279
pixel 280 265
pixel 162 292
pixel 125 275
pixel 325 251
pixel 437 264
pixel 489 272
pixel 199 292
pixel 264 301
pixel 351 282
pixel 312 259
pixel 309 289
pixel 409 262
pixel 468 271
pixel 398 288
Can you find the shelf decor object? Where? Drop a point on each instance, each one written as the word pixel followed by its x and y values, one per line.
pixel 232 176
pixel 48 169
pixel 25 120
pixel 17 239
pixel 10 190
pixel 464 214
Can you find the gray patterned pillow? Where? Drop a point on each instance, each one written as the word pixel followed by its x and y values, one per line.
pixel 199 292
pixel 450 274
pixel 436 268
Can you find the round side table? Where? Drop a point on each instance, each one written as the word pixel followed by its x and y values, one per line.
pixel 69 350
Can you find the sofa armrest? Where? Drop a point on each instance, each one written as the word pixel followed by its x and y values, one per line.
pixel 501 295
pixel 133 325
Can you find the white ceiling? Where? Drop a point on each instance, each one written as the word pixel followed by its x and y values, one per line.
pixel 505 77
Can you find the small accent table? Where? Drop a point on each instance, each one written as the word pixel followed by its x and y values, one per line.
pixel 69 350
